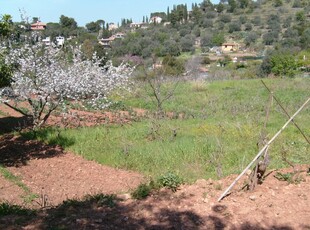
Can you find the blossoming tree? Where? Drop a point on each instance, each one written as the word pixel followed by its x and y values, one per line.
pixel 45 78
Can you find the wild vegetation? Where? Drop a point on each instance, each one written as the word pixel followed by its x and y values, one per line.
pixel 202 113
pixel 203 137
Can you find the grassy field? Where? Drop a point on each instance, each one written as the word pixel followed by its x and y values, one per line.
pixel 221 124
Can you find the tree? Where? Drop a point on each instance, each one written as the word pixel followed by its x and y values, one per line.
pixel 234 26
pixel 220 8
pixel 256 20
pixel 196 15
pixel 187 43
pixel 171 47
pixel 35 19
pixel 300 17
pixel 93 27
pixel 5 25
pixel 67 22
pixel 218 39
pixel 305 39
pixel 248 27
pixel 160 84
pixel 250 38
pixel 243 3
pixel 232 5
pixel 277 3
pixel 6 70
pixel 225 18
pixel 45 79
pixel 284 64
pixel 270 37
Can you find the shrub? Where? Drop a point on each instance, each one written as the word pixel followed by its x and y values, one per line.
pixel 206 61
pixel 171 181
pixel 141 192
pixel 8 209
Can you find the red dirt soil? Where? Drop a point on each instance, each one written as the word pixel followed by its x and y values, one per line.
pixel 57 175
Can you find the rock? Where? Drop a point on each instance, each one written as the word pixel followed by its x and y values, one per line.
pixel 125 196
pixel 252 197
pixel 201 182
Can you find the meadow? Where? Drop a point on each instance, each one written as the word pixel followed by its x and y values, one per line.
pixel 214 129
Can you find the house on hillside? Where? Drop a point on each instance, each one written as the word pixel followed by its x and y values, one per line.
pixel 47 41
pixel 112 26
pixel 38 26
pixel 155 20
pixel 134 25
pixel 229 47
pixel 107 42
pixel 60 41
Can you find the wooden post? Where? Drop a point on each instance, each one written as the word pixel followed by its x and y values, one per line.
pixel 262 151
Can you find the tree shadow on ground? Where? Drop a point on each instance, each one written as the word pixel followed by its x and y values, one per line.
pixel 11 124
pixel 17 151
pixel 106 212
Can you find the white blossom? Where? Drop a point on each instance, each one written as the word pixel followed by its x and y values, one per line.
pixel 46 79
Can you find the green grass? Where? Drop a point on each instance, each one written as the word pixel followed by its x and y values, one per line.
pixel 217 137
pixel 9 209
pixel 29 197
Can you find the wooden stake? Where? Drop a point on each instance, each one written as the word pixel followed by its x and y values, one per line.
pixel 285 111
pixel 262 151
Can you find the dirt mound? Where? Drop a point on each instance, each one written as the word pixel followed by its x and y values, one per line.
pixel 273 205
pixel 58 175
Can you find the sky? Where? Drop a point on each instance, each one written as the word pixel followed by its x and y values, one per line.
pixel 85 11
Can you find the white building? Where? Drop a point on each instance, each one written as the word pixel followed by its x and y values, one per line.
pixel 60 41
pixel 47 41
pixel 155 20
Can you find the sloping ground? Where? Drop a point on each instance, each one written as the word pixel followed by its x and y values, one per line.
pixel 50 172
pixel 273 205
pixel 55 176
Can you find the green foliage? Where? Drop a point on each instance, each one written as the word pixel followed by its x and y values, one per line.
pixel 29 197
pixel 277 3
pixel 284 64
pixel 171 181
pixel 206 61
pixel 232 110
pixel 290 177
pixel 173 66
pixel 67 22
pixel 218 39
pixel 232 5
pixel 6 72
pixel 142 191
pixel 102 199
pixel 250 38
pixel 225 18
pixel 234 26
pixel 5 25
pixel 9 209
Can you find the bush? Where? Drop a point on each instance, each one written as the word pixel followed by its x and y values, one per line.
pixel 141 192
pixel 173 66
pixel 206 61
pixel 171 181
pixel 8 209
